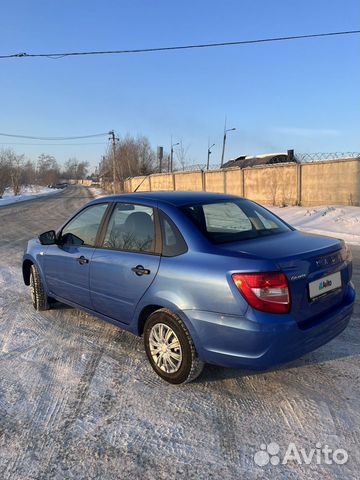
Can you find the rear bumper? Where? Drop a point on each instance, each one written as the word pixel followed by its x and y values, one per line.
pixel 233 341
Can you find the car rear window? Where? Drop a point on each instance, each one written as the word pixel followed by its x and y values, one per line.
pixel 231 221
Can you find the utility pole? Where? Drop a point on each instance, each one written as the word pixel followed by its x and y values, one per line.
pixel 113 140
pixel 208 155
pixel 224 141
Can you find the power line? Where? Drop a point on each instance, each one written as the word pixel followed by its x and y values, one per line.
pixel 52 144
pixel 178 47
pixel 52 138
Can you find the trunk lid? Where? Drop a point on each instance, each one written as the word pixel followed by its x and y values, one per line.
pixel 304 258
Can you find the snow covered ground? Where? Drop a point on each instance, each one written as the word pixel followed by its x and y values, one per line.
pixel 335 221
pixel 27 193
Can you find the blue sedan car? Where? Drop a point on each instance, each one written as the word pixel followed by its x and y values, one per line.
pixel 205 278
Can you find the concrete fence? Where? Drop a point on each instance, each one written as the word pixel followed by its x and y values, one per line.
pixel 308 184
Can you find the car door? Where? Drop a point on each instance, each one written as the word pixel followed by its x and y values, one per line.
pixel 66 264
pixel 126 263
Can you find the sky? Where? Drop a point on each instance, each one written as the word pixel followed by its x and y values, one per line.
pixel 302 94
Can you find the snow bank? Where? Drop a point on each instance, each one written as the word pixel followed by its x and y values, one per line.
pixel 27 193
pixel 335 221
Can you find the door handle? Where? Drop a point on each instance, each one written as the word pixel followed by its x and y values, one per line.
pixel 140 270
pixel 82 260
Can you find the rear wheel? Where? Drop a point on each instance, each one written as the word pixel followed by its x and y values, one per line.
pixel 170 349
pixel 39 298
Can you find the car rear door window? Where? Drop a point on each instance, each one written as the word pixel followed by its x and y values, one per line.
pixel 173 243
pixel 83 228
pixel 131 228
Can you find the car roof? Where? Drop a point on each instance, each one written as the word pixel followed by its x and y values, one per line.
pixel 173 198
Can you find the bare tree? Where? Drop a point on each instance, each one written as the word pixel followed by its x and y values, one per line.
pixel 70 168
pixel 11 166
pixel 17 163
pixel 181 154
pixel 133 156
pixel 5 169
pixel 48 171
pixel 16 172
pixel 75 170
pixel 82 170
pixel 146 156
pixel 28 174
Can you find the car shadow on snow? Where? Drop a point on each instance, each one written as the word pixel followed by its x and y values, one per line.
pixel 55 305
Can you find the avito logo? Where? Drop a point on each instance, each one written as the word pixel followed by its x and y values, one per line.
pixel 324 284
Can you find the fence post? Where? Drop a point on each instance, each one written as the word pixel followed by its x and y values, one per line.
pixel 203 181
pixel 243 194
pixel 150 183
pixel 298 184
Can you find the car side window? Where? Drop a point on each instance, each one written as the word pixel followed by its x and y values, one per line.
pixel 267 223
pixel 131 228
pixel 173 242
pixel 83 228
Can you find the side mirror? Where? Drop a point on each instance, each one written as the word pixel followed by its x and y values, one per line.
pixel 48 238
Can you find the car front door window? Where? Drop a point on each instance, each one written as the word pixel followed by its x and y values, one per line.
pixel 67 263
pixel 83 229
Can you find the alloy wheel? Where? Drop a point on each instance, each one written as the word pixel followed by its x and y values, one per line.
pixel 165 348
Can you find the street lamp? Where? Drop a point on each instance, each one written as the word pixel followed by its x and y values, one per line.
pixel 224 142
pixel 172 154
pixel 208 156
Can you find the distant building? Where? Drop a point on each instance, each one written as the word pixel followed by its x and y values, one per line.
pixel 265 159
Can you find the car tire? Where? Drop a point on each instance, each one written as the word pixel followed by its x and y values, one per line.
pixel 39 298
pixel 170 349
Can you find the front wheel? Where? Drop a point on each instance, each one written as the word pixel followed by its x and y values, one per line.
pixel 170 349
pixel 39 298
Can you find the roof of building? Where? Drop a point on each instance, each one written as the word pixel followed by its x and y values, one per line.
pixel 265 159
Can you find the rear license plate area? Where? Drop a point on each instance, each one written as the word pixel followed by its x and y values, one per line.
pixel 324 285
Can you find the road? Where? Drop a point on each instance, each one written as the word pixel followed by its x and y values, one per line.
pixel 78 399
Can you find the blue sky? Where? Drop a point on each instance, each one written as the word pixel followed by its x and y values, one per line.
pixel 302 94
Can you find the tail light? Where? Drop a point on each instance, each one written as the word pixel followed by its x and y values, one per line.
pixel 267 292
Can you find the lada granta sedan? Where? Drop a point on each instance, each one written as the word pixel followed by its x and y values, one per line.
pixel 204 278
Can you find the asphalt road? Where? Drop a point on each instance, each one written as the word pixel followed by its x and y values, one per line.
pixel 78 399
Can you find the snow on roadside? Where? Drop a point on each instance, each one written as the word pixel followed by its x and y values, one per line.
pixel 27 193
pixel 334 221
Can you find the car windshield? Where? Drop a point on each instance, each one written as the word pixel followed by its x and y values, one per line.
pixel 234 220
